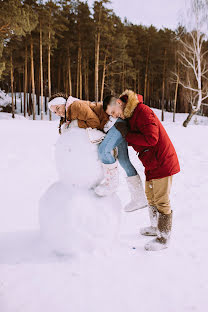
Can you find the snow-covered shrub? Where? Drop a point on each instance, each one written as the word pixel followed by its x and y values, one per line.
pixel 5 102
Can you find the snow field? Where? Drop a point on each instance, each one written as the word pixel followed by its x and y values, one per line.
pixel 123 279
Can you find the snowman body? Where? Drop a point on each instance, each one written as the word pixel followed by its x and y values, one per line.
pixel 73 219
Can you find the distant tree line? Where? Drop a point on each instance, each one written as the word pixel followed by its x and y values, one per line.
pixel 88 53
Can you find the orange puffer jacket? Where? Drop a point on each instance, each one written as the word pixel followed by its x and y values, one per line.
pixel 89 114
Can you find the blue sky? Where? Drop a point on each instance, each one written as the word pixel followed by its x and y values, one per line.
pixel 160 13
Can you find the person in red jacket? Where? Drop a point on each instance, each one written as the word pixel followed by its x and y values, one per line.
pixel 146 134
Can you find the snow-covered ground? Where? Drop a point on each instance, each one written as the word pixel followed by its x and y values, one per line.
pixel 127 278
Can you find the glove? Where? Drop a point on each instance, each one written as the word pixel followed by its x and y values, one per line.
pixel 122 127
pixel 95 136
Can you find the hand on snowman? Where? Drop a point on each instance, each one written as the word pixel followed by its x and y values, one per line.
pixel 95 136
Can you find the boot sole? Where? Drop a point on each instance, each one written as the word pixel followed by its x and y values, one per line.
pixel 148 234
pixel 156 249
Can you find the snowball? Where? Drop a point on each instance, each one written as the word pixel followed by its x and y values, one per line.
pixel 77 159
pixel 74 220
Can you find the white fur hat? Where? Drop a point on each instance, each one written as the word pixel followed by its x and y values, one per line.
pixel 57 101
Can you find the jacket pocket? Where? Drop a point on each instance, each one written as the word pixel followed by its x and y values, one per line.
pixel 148 159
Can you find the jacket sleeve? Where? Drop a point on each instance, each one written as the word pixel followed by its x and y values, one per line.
pixel 101 114
pixel 82 112
pixel 148 131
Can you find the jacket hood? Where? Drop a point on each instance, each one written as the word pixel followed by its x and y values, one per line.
pixel 131 104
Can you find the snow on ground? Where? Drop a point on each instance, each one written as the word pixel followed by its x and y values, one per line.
pixel 127 278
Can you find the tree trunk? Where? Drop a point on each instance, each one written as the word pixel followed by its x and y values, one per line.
pixel 97 54
pixel 176 94
pixel 80 75
pixel 25 77
pixel 103 79
pixel 148 92
pixel 138 84
pixel 65 85
pixel 20 89
pixel 45 93
pixel 38 90
pixel 86 76
pixel 163 100
pixel 188 119
pixel 163 87
pixel 15 94
pixel 49 70
pixel 12 84
pixel 41 72
pixel 59 74
pixel 33 80
pixel 146 75
pixel 69 74
pixel 29 102
pixel 123 78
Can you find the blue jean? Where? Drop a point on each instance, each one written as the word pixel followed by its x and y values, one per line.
pixel 114 139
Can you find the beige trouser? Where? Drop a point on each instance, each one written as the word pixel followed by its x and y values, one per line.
pixel 157 192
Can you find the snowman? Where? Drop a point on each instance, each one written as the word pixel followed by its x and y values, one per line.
pixel 73 219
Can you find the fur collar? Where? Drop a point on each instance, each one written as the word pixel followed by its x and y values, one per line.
pixel 131 103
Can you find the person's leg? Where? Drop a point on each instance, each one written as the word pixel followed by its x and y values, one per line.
pixel 152 229
pixel 134 182
pixel 123 158
pixel 112 139
pixel 161 190
pixel 110 166
pixel 149 192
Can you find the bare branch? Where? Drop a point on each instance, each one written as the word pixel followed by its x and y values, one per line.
pixel 194 42
pixel 205 77
pixel 203 54
pixel 190 64
pixel 188 47
pixel 111 63
pixel 188 87
pixel 205 97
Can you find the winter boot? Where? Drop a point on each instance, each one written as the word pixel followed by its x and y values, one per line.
pixel 164 226
pixel 151 230
pixel 138 199
pixel 110 183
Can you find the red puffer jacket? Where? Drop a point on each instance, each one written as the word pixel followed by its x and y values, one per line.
pixel 148 137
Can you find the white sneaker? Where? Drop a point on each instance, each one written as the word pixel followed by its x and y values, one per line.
pixel 138 198
pixel 110 183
